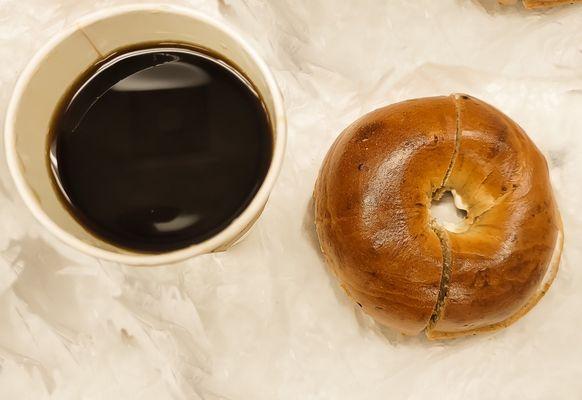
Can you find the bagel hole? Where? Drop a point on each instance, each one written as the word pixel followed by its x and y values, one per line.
pixel 447 213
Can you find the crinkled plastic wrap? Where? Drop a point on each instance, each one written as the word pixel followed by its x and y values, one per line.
pixel 266 320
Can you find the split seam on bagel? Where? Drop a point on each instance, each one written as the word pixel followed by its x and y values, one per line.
pixel 442 234
pixel 438 193
pixel 440 231
pixel 443 237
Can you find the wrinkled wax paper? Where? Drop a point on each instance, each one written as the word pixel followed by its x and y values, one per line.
pixel 265 320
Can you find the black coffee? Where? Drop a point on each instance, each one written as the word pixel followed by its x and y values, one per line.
pixel 157 149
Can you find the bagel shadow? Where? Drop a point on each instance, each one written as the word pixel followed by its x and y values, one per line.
pixel 309 228
pixel 366 324
pixel 311 233
pixel 493 7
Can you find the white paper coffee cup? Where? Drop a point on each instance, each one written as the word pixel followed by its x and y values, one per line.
pixel 55 68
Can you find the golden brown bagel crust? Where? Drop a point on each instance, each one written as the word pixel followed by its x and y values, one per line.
pixel 531 4
pixel 499 261
pixel 372 202
pixel 371 206
pixel 534 4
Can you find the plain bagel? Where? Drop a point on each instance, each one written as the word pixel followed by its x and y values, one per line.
pixel 372 208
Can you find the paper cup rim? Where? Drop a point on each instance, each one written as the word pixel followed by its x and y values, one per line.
pixel 226 235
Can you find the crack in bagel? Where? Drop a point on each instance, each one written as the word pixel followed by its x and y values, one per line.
pixel 494 203
pixel 438 192
pixel 438 230
pixel 443 237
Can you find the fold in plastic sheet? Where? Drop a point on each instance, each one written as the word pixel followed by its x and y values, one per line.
pixel 265 320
